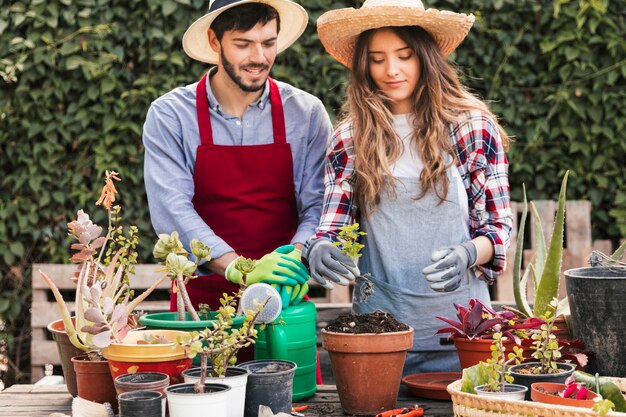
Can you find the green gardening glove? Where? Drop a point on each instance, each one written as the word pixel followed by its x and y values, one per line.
pixel 282 266
pixel 291 296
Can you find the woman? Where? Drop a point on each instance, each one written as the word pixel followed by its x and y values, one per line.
pixel 419 162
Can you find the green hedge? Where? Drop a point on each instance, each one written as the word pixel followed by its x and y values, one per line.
pixel 78 77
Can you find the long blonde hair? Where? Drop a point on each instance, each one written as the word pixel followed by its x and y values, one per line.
pixel 438 100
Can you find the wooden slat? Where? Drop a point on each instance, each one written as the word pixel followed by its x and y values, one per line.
pixel 145 276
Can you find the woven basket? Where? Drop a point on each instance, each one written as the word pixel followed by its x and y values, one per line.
pixel 472 405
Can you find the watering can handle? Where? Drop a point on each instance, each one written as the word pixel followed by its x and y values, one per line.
pixel 277 342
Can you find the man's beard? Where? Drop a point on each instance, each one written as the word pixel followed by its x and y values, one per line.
pixel 230 70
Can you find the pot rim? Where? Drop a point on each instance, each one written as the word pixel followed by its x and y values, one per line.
pixel 520 388
pixel 567 367
pixel 171 390
pixel 410 330
pixel 619 273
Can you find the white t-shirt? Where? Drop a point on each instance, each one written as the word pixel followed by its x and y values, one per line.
pixel 410 164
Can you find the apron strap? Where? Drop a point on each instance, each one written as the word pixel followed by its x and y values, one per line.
pixel 202 109
pixel 278 115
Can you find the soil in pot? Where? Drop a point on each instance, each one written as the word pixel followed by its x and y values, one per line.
pixel 376 322
pixel 551 393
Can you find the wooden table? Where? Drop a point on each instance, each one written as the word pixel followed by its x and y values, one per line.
pixel 44 400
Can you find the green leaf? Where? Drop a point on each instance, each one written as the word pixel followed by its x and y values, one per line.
pixel 4 304
pixel 548 288
pixel 540 242
pixel 17 248
pixel 519 289
pixel 168 7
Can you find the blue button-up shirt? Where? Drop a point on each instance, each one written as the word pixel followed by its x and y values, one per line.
pixel 171 139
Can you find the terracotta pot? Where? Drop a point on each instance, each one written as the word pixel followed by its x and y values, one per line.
pixel 129 357
pixel 550 396
pixel 94 381
pixel 475 350
pixel 66 352
pixel 367 368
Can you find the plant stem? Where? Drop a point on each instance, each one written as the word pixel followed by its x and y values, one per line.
pixel 182 291
pixel 199 388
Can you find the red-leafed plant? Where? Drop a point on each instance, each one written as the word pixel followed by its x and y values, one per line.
pixel 478 321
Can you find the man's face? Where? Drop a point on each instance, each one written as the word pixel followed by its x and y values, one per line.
pixel 247 57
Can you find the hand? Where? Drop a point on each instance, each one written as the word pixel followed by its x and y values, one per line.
pixel 291 296
pixel 282 266
pixel 450 263
pixel 328 263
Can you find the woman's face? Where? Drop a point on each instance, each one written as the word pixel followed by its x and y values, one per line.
pixel 394 67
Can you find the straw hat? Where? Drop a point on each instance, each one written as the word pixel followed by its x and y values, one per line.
pixel 293 21
pixel 339 29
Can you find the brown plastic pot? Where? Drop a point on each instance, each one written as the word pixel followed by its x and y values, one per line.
pixel 551 396
pixel 66 352
pixel 367 368
pixel 94 381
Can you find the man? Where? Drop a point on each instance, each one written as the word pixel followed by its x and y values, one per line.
pixel 236 160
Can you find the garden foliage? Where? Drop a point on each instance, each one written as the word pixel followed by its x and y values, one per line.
pixel 77 78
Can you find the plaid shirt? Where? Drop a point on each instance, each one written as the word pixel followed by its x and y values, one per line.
pixel 481 162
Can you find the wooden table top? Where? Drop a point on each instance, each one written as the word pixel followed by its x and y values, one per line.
pixel 44 400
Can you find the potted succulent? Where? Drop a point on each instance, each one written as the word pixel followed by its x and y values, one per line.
pixel 357 345
pixel 475 327
pixel 105 265
pixel 499 381
pixel 546 352
pixel 217 345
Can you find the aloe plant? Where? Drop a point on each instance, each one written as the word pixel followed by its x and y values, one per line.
pixel 545 268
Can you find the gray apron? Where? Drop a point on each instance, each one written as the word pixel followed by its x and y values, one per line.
pixel 401 236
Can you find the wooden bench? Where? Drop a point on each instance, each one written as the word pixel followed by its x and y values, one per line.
pixel 44 308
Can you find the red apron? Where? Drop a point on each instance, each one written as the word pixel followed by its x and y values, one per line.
pixel 244 193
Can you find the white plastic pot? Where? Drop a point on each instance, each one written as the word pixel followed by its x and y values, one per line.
pixel 236 378
pixel 182 401
pixel 511 391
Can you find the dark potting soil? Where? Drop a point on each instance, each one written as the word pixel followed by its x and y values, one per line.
pixel 376 322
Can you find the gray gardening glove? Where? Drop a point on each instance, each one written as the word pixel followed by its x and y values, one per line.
pixel 328 263
pixel 450 263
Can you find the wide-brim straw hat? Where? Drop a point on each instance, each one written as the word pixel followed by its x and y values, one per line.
pixel 293 21
pixel 339 29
